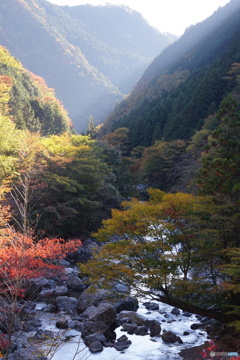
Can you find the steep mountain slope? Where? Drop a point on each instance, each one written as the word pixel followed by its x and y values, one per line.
pixel 128 34
pixel 184 84
pixel 53 44
pixel 27 100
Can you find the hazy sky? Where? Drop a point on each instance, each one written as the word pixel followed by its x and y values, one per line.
pixel 172 16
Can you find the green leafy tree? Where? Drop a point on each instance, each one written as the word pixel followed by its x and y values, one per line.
pixel 79 184
pixel 166 248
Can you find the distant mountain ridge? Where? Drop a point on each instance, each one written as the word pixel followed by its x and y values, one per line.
pixel 184 84
pixel 88 74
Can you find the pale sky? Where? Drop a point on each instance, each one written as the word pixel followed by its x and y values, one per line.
pixel 172 16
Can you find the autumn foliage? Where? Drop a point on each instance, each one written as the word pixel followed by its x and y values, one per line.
pixel 21 259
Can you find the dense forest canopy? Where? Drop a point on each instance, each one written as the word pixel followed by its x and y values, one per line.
pixel 184 84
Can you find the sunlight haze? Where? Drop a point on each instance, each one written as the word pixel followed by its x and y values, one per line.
pixel 172 16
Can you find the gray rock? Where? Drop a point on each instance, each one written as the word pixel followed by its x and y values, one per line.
pixel 128 304
pixel 130 328
pixel 175 311
pixel 141 330
pixel 75 283
pixel 57 290
pixel 96 347
pixel 95 337
pixel 88 312
pixel 122 345
pixel 75 324
pixel 60 290
pixel 45 293
pixel 87 299
pixel 133 318
pixel 64 262
pixel 170 337
pixel 68 271
pixel 105 312
pixel 92 327
pixel 41 281
pixel 66 304
pixel 151 306
pixel 122 338
pixel 154 327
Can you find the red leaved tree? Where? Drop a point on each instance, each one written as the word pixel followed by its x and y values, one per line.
pixel 22 259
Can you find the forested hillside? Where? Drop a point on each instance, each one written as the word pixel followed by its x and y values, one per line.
pixel 125 31
pixel 185 84
pixel 28 101
pixel 60 183
pixel 88 72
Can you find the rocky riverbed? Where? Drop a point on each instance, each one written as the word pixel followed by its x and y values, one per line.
pixel 67 322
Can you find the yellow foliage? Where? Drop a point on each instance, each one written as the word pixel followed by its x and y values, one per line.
pixel 7 59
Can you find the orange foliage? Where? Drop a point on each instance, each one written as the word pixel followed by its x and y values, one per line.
pixel 21 259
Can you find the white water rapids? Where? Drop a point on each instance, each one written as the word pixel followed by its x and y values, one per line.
pixel 142 347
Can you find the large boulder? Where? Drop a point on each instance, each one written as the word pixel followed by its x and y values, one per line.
pixel 128 304
pixel 95 337
pixel 92 327
pixel 170 337
pixel 75 283
pixel 88 312
pixel 87 299
pixel 122 345
pixel 66 304
pixel 122 288
pixel 105 312
pixel 96 347
pixel 154 326
pixel 131 317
